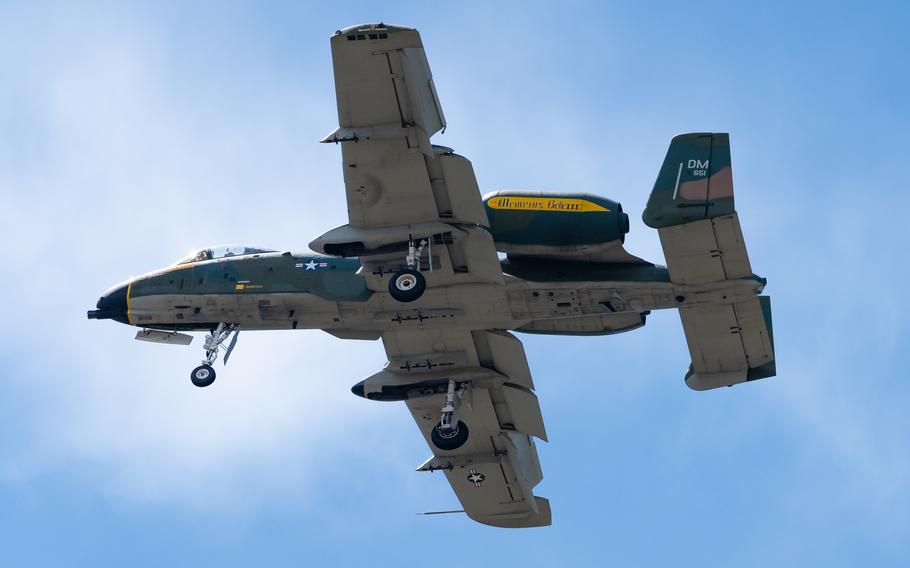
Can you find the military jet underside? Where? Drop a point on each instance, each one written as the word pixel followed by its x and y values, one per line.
pixel 417 266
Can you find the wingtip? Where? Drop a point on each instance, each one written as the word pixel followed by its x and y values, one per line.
pixel 379 26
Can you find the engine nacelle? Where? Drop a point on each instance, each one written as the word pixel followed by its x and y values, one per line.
pixel 535 223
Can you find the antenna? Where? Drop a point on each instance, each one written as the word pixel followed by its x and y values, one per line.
pixel 441 512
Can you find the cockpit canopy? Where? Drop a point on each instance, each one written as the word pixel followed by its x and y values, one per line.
pixel 222 251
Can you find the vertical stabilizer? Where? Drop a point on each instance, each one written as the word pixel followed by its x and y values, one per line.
pixel 694 183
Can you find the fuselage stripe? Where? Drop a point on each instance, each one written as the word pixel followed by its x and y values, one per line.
pixel 129 318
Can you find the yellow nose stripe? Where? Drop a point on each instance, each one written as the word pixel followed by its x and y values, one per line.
pixel 129 317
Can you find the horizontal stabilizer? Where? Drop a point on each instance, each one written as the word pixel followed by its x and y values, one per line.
pixel 729 343
pixel 691 206
pixel 710 250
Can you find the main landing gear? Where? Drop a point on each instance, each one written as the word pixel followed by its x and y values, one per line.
pixel 451 433
pixel 204 374
pixel 409 284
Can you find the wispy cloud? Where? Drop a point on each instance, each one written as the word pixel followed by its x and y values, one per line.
pixel 125 174
pixel 127 138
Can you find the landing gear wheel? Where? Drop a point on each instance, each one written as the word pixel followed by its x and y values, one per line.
pixel 450 440
pixel 407 285
pixel 203 375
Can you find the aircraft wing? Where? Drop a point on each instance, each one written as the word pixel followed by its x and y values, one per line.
pixel 495 471
pixel 398 185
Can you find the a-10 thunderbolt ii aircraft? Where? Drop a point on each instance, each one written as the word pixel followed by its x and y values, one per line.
pixel 417 267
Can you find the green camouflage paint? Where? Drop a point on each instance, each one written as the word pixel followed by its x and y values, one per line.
pixel 554 219
pixel 694 183
pixel 329 278
pixel 546 270
pixel 769 369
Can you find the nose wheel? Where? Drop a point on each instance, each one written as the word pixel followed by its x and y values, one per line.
pixel 203 375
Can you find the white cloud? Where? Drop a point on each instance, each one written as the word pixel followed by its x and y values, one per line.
pixel 116 157
pixel 126 174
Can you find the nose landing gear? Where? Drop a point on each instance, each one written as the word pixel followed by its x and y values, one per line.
pixel 204 374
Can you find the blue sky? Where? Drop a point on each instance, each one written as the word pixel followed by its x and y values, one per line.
pixel 130 134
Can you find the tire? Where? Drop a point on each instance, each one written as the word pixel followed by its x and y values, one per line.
pixel 453 441
pixel 407 285
pixel 203 375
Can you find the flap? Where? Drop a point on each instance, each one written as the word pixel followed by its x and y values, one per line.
pixel 504 352
pixel 525 410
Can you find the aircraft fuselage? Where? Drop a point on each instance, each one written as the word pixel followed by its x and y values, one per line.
pixel 276 291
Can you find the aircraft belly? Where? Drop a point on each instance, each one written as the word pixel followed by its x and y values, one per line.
pixel 577 299
pixel 535 301
pixel 476 306
pixel 473 306
pixel 249 311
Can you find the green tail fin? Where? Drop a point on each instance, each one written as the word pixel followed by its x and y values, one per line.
pixel 694 183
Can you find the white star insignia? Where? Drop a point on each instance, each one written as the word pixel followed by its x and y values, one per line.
pixel 311 265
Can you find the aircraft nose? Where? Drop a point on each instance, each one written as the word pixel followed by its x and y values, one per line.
pixel 112 305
